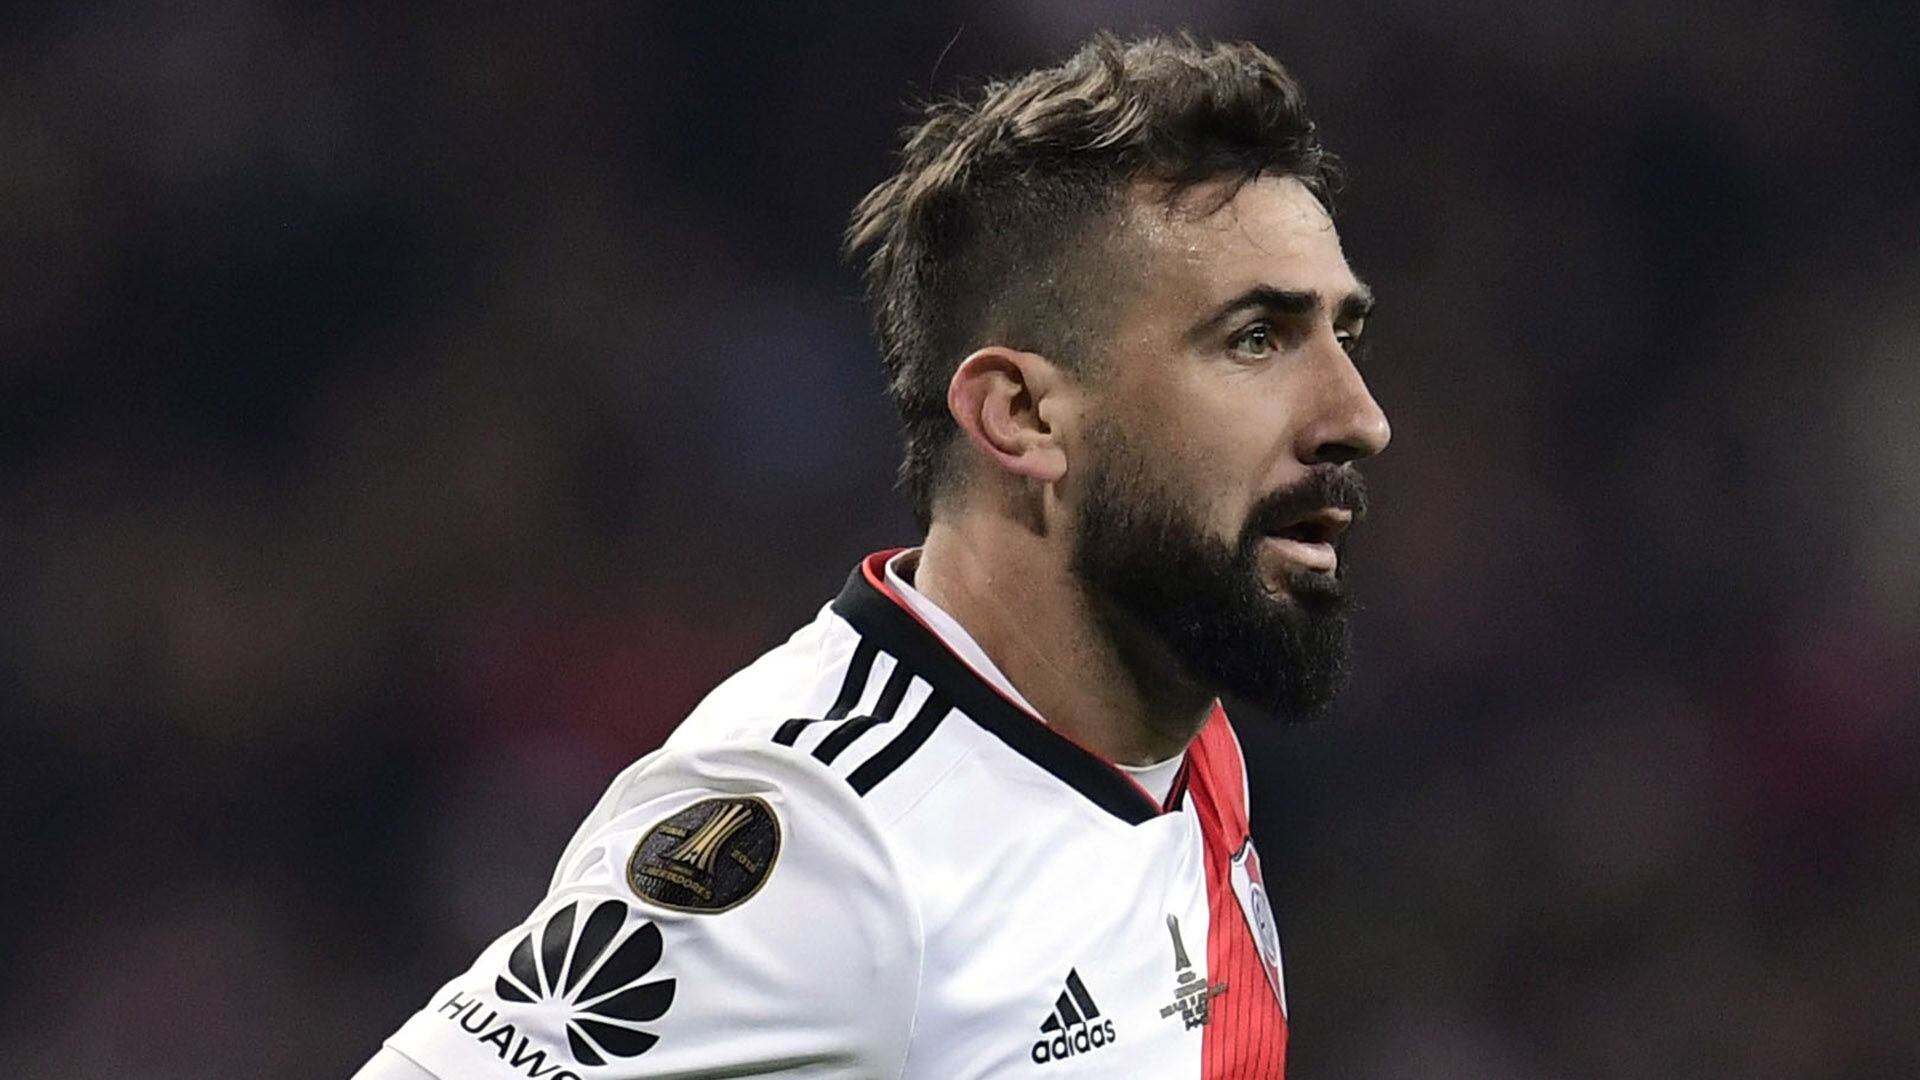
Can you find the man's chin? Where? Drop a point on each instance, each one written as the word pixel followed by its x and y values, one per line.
pixel 1287 713
pixel 1294 696
pixel 1287 655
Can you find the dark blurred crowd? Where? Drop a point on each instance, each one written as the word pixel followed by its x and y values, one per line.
pixel 408 411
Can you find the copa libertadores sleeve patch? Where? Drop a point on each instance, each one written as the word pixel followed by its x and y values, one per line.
pixel 710 857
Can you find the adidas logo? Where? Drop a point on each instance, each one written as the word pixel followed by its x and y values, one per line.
pixel 598 981
pixel 1070 1029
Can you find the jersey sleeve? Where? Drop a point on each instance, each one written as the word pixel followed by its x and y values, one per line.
pixel 389 1065
pixel 728 911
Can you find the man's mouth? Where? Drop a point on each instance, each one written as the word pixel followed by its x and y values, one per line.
pixel 1309 541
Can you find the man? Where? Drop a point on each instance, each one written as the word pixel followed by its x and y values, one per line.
pixel 984 816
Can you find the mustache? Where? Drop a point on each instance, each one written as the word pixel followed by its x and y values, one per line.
pixel 1329 487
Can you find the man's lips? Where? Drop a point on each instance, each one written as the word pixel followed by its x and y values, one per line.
pixel 1309 541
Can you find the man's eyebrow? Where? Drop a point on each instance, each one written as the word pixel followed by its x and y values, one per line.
pixel 1354 306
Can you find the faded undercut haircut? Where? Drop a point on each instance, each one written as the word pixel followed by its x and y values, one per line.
pixel 999 227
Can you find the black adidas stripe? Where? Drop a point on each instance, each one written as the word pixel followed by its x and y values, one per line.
pixel 1079 991
pixel 842 737
pixel 1073 1006
pixel 851 687
pixel 891 693
pixel 894 754
pixel 883 710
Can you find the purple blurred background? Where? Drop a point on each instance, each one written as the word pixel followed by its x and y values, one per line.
pixel 406 413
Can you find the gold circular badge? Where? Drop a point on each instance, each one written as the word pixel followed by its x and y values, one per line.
pixel 710 857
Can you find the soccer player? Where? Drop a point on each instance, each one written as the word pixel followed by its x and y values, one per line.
pixel 984 816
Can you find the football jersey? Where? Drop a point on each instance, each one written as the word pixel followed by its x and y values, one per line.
pixel 859 858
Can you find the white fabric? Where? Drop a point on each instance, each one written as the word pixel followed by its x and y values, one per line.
pixel 1156 778
pixel 391 1064
pixel 830 931
pixel 928 926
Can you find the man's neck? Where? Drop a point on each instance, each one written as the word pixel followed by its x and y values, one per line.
pixel 1016 595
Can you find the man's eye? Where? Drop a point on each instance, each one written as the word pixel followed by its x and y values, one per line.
pixel 1255 341
pixel 1348 342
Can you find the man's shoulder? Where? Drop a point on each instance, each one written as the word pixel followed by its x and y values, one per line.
pixel 829 713
pixel 711 884
pixel 794 678
pixel 854 706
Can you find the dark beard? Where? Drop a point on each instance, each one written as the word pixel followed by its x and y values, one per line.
pixel 1150 566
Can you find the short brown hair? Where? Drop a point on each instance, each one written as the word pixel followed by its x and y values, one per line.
pixel 993 230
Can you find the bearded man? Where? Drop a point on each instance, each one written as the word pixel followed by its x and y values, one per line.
pixel 985 815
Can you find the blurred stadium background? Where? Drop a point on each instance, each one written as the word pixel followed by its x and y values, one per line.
pixel 407 411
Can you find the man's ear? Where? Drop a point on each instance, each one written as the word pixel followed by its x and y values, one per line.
pixel 1007 402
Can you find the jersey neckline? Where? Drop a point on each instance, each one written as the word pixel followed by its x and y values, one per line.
pixel 871 607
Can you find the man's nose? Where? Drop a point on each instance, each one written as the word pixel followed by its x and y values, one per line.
pixel 1347 424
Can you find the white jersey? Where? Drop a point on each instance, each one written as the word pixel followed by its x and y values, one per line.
pixel 858 858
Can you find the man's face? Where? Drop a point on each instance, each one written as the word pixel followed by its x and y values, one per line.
pixel 1213 477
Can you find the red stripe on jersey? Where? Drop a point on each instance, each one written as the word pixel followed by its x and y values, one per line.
pixel 1246 1039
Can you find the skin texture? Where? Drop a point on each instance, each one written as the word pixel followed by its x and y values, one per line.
pixel 1228 410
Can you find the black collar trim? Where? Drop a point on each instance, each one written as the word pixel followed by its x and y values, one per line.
pixel 884 619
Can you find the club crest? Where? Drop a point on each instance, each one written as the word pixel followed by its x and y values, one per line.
pixel 1251 890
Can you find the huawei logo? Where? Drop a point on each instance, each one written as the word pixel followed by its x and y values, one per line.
pixel 599 981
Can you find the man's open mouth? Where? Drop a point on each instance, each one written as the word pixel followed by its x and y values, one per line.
pixel 1309 541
